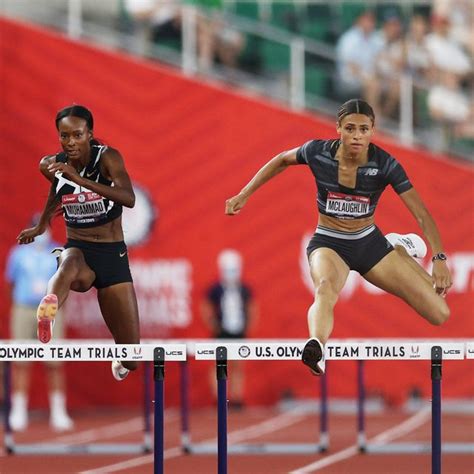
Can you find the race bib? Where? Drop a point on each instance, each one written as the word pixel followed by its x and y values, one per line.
pixel 347 206
pixel 83 207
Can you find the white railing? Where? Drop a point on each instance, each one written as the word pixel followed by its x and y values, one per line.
pixel 406 109
pixel 189 62
pixel 297 74
pixel 74 19
pixel 293 94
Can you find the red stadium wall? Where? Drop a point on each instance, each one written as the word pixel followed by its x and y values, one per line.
pixel 190 146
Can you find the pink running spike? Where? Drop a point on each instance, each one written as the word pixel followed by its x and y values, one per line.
pixel 45 315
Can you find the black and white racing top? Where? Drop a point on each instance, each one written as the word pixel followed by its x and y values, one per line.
pixel 82 207
pixel 339 201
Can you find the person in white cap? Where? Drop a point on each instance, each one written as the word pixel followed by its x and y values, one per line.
pixel 229 310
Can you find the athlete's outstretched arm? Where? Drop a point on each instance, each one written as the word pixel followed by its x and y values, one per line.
pixel 26 236
pixel 441 276
pixel 113 168
pixel 273 167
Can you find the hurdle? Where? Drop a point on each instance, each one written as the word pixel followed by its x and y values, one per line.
pixel 190 447
pixel 158 354
pixel 360 350
pixel 436 353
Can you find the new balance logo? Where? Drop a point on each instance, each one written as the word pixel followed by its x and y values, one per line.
pixel 371 172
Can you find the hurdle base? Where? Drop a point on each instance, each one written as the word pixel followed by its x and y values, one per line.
pixel 260 448
pixel 102 448
pixel 416 448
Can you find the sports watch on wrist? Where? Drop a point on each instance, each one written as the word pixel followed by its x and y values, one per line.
pixel 439 256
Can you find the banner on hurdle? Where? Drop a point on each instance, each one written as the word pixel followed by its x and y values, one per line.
pixel 470 350
pixel 88 352
pixel 363 350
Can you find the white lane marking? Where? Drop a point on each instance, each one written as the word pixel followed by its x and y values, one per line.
pixel 403 428
pixel 332 459
pixel 148 459
pixel 397 431
pixel 267 426
pixel 110 431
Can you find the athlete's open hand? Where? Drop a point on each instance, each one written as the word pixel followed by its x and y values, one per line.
pixel 68 171
pixel 441 277
pixel 235 204
pixel 27 236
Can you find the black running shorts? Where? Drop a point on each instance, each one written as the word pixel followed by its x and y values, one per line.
pixel 361 250
pixel 108 260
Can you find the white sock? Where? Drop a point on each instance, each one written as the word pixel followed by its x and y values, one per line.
pixel 18 418
pixel 19 402
pixel 57 402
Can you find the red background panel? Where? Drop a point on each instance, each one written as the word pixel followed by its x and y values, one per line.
pixel 191 146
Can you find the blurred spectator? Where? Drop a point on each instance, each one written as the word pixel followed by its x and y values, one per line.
pixel 417 63
pixel 160 21
pixel 356 51
pixel 384 94
pixel 217 39
pixel 445 53
pixel 28 270
pixel 229 44
pixel 448 106
pixel 166 23
pixel 446 101
pixel 417 56
pixel 228 310
pixel 154 20
pixel 461 18
pixel 465 129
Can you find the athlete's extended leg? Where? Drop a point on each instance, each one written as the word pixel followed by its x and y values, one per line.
pixel 73 273
pixel 329 273
pixel 397 275
pixel 118 304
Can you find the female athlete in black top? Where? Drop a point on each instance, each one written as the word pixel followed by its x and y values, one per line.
pixel 351 173
pixel 91 183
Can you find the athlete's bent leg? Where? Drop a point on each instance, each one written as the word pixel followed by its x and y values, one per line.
pixel 414 264
pixel 118 304
pixel 396 275
pixel 72 273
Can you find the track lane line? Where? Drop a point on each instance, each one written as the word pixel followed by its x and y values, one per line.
pixel 253 431
pixel 103 432
pixel 106 432
pixel 386 436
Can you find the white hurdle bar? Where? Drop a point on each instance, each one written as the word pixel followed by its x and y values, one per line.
pixel 361 350
pixel 190 447
pixel 158 353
